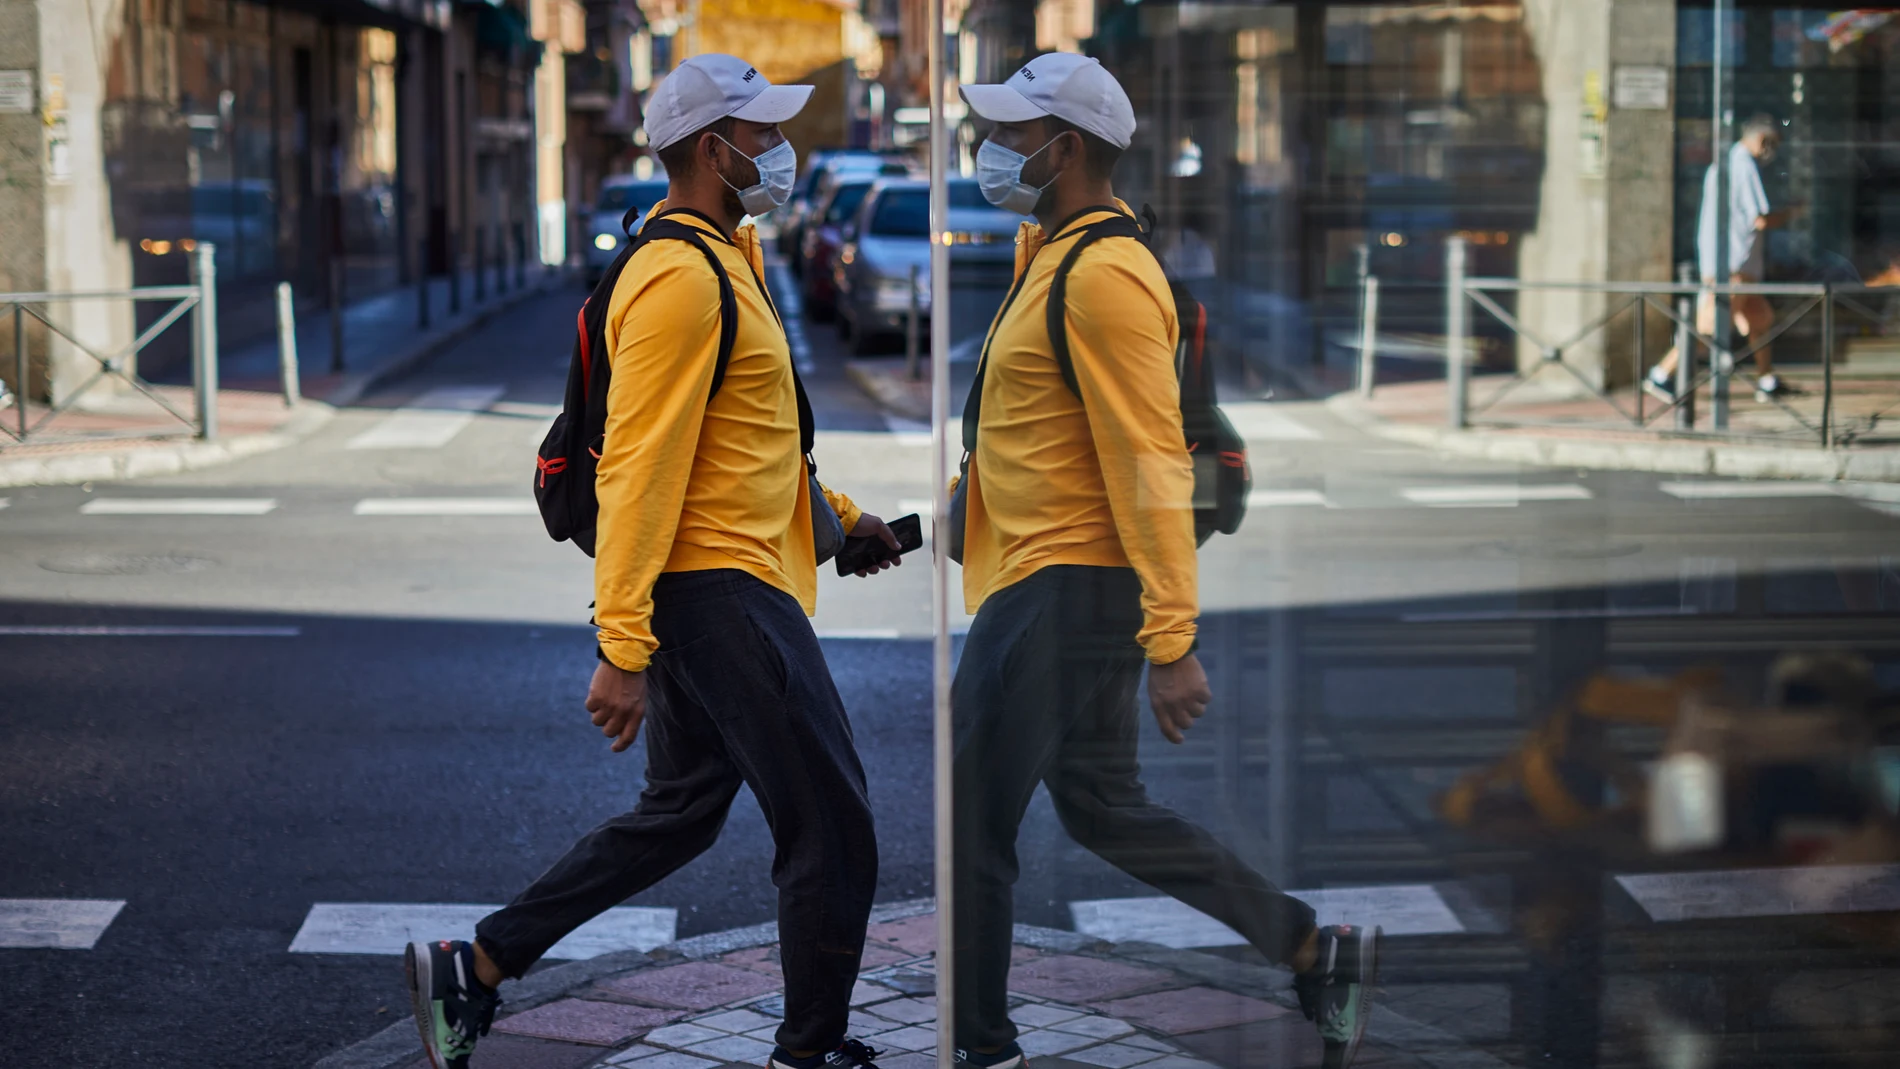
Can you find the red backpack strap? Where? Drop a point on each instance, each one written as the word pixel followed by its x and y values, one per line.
pixel 587 355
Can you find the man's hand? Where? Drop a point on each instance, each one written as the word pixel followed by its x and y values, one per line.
pixel 617 699
pixel 1179 694
pixel 870 526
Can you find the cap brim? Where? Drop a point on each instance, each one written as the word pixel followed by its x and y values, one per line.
pixel 775 103
pixel 1000 103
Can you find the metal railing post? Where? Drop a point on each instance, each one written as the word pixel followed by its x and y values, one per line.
pixel 205 321
pixel 422 285
pixel 521 256
pixel 20 390
pixel 1827 368
pixel 911 365
pixel 336 313
pixel 1641 357
pixel 481 268
pixel 1456 330
pixel 455 274
pixel 1685 354
pixel 501 260
pixel 1368 335
pixel 287 346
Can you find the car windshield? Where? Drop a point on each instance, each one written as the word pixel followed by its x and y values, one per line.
pixel 905 213
pixel 844 203
pixel 639 195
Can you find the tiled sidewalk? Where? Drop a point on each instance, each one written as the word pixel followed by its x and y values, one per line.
pixel 716 1000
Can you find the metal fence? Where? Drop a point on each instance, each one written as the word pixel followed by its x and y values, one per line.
pixel 199 300
pixel 1705 361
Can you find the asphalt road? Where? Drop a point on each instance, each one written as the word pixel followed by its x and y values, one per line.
pixel 402 724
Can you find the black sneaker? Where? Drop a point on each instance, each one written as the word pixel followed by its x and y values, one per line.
pixel 453 1008
pixel 1008 1056
pixel 1337 993
pixel 851 1053
pixel 1661 389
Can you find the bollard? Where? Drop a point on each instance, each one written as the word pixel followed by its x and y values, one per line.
pixel 521 256
pixel 1369 335
pixel 20 365
pixel 481 267
pixel 287 346
pixel 422 285
pixel 1685 354
pixel 1827 368
pixel 911 364
pixel 455 275
pixel 336 313
pixel 204 371
pixel 1456 330
pixel 501 260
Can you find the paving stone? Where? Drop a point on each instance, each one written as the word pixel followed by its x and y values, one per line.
pixel 758 959
pixel 865 992
pixel 773 1007
pixel 697 985
pixel 498 1051
pixel 1020 953
pixel 573 1020
pixel 1114 1055
pixel 920 1060
pixel 1043 1041
pixel 655 1058
pixel 1071 978
pixel 862 1023
pixel 915 935
pixel 681 1035
pixel 735 1021
pixel 1181 1061
pixel 734 1049
pixel 915 1037
pixel 1148 1042
pixel 1285 1042
pixel 876 957
pixel 908 1010
pixel 1097 1027
pixel 1193 1009
pixel 1040 1015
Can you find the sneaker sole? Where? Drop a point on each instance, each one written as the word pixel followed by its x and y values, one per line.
pixel 1659 393
pixel 418 969
pixel 1342 1056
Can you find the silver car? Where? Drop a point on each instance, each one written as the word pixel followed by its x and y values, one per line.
pixel 891 234
pixel 621 209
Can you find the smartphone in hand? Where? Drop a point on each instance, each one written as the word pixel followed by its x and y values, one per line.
pixel 861 553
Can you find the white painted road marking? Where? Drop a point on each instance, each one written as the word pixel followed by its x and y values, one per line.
pixel 524 409
pixel 178 506
pixel 922 506
pixel 909 432
pixel 1280 499
pixel 136 631
pixel 446 506
pixel 1263 421
pixel 1484 496
pixel 1789 892
pixel 385 928
pixel 1404 909
pixel 430 421
pixel 1709 491
pixel 860 633
pixel 56 923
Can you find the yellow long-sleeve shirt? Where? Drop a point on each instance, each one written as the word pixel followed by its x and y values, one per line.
pixel 1103 479
pixel 686 485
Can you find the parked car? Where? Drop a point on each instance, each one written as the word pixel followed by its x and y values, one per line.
pixel 621 209
pixel 821 167
pixel 891 234
pixel 833 210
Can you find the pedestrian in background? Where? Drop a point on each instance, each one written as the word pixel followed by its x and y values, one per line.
pixel 704 578
pixel 1079 562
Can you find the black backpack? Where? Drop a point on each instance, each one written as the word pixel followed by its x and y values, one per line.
pixel 1222 478
pixel 569 457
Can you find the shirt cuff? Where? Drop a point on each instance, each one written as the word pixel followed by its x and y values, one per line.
pixel 623 653
pixel 1171 646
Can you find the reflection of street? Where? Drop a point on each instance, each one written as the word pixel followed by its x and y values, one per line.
pixel 317 677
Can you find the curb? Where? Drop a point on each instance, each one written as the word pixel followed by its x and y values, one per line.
pixel 396 1044
pixel 1663 457
pixel 891 388
pixel 170 458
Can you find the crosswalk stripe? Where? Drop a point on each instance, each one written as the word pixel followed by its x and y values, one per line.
pixel 1262 421
pixel 387 927
pixel 1710 491
pixel 860 633
pixel 1784 892
pixel 445 506
pixel 56 923
pixel 1404 909
pixel 909 432
pixel 1492 496
pixel 1278 499
pixel 178 506
pixel 140 631
pixel 430 421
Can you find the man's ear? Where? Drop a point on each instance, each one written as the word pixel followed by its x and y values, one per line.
pixel 1069 150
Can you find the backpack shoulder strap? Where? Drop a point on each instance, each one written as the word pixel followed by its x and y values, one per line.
pixel 664 229
pixel 1118 227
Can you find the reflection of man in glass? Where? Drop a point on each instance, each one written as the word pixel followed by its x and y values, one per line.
pixel 1079 561
pixel 1749 218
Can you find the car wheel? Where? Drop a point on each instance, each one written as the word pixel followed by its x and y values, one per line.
pixel 820 309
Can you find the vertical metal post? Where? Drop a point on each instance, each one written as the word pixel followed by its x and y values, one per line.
pixel 336 313
pixel 20 389
pixel 1685 353
pixel 1456 329
pixel 481 267
pixel 205 360
pixel 422 285
pixel 1827 368
pixel 910 331
pixel 455 274
pixel 1368 335
pixel 501 259
pixel 287 345
pixel 521 256
pixel 1641 357
pixel 941 748
pixel 1721 359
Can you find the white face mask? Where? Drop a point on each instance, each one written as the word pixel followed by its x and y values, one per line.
pixel 999 174
pixel 778 169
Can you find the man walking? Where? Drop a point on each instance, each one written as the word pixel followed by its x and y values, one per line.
pixel 1079 564
pixel 1745 226
pixel 704 577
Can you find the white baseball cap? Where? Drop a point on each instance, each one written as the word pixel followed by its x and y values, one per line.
pixel 1075 89
pixel 707 88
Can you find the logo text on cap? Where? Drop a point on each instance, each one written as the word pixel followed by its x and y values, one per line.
pixel 1027 74
pixel 750 73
